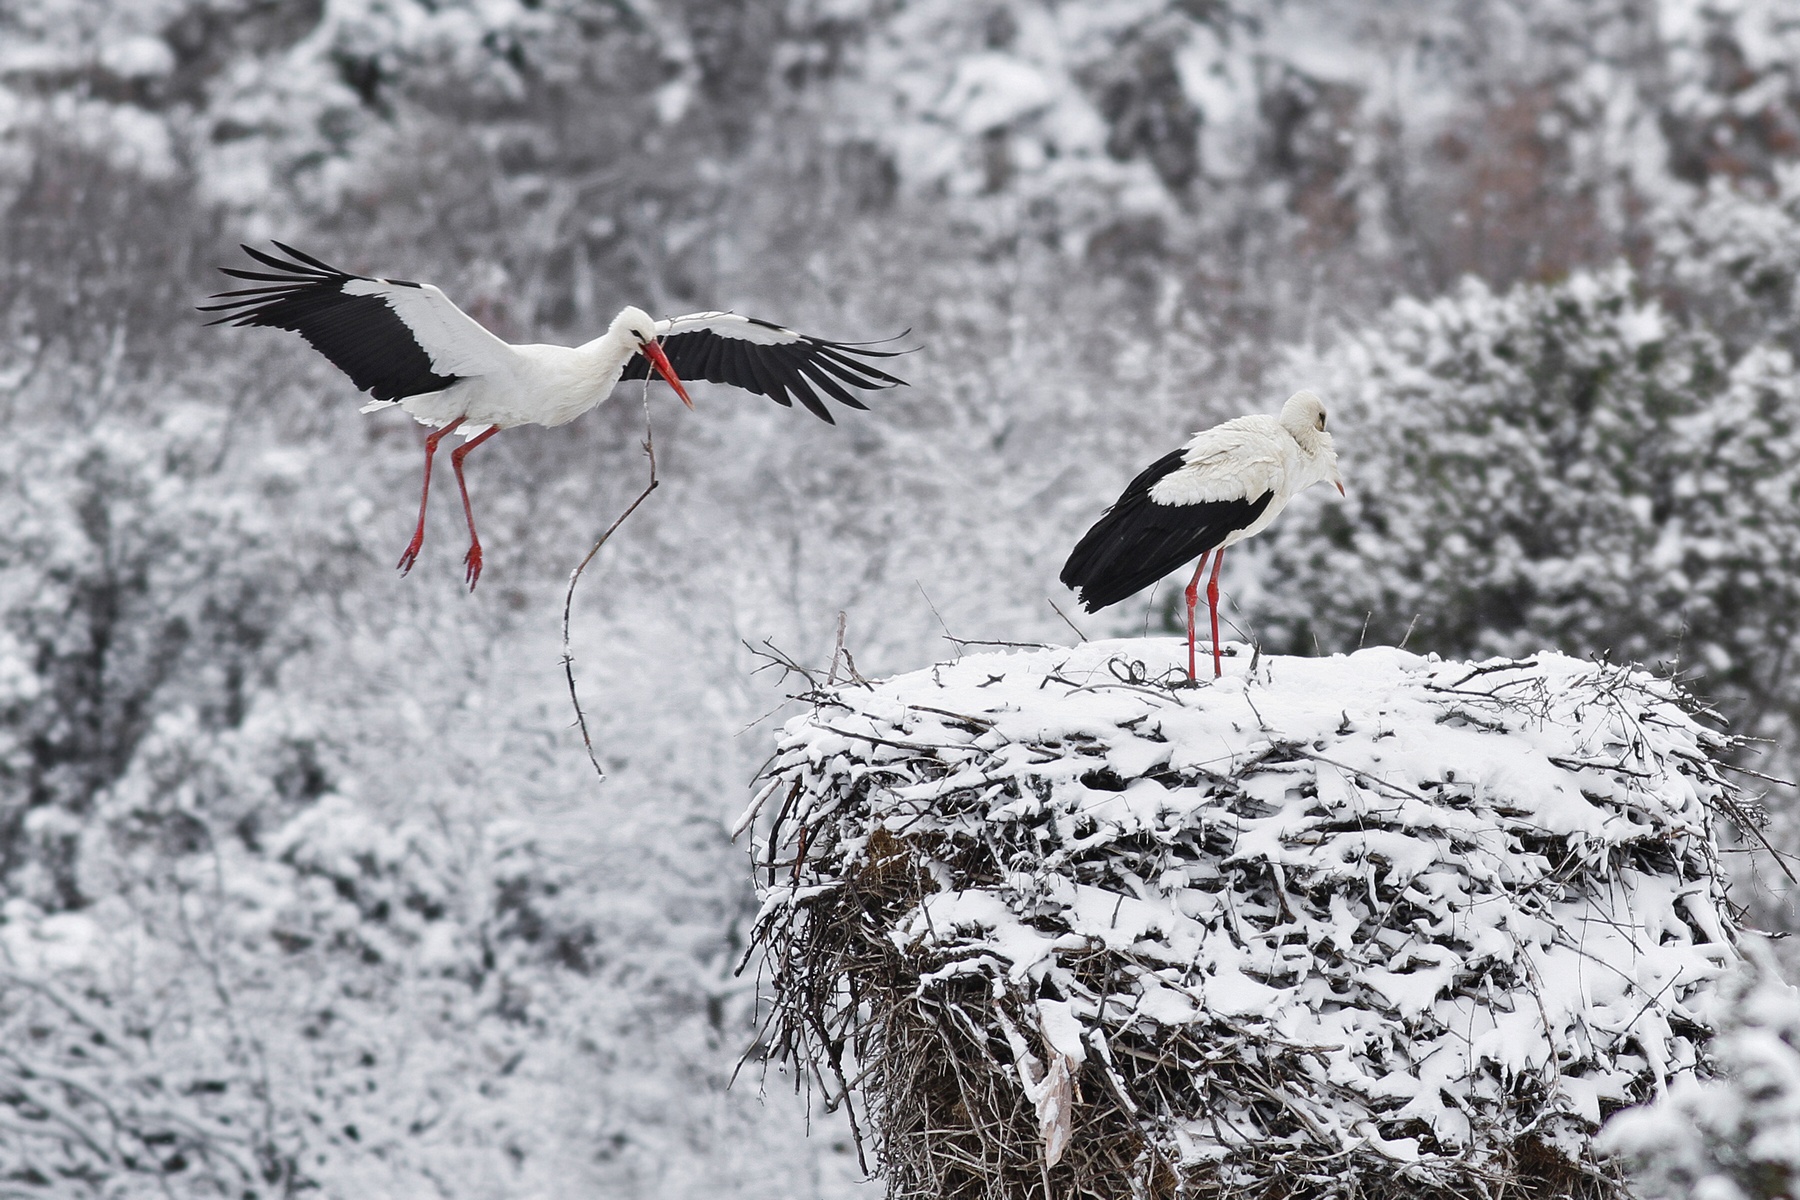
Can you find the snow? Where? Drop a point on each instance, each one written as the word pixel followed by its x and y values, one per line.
pixel 138 58
pixel 1482 873
pixel 990 91
pixel 1725 1137
pixel 56 943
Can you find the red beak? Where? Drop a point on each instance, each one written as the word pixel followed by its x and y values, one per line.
pixel 654 352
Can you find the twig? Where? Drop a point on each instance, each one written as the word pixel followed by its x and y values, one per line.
pixel 948 636
pixel 1756 774
pixel 788 665
pixel 856 676
pixel 1066 621
pixel 959 643
pixel 587 739
pixel 1510 664
pixel 838 652
pixel 1379 782
pixel 981 722
pixel 881 741
pixel 1763 840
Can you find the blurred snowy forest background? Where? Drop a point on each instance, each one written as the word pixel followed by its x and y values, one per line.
pixel 306 881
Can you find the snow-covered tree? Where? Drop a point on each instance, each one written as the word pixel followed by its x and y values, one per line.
pixel 1558 465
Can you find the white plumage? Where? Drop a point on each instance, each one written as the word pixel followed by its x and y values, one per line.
pixel 501 385
pixel 1228 483
pixel 407 344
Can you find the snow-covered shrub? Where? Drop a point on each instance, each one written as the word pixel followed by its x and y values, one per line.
pixel 143 607
pixel 1730 106
pixel 136 588
pixel 1735 1136
pixel 1730 260
pixel 1561 465
pixel 102 1098
pixel 338 1016
pixel 1055 924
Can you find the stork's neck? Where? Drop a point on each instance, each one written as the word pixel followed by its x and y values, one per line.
pixel 611 350
pixel 1319 456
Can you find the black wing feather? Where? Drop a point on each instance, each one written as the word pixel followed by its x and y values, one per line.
pixel 713 358
pixel 783 372
pixel 1137 541
pixel 823 380
pixel 767 379
pixel 302 256
pixel 829 368
pixel 789 370
pixel 362 335
pixel 748 368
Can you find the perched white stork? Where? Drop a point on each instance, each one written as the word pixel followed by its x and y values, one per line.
pixel 1226 484
pixel 406 343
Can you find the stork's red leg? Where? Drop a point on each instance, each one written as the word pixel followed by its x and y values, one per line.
pixel 1212 601
pixel 1193 598
pixel 471 560
pixel 411 554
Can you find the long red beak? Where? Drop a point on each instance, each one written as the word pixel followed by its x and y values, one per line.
pixel 654 352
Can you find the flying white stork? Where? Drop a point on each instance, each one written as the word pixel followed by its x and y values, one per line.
pixel 1226 484
pixel 406 343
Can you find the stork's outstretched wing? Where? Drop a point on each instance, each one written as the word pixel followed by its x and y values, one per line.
pixel 765 358
pixel 393 337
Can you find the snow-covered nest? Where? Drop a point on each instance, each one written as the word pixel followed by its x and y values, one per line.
pixel 1359 926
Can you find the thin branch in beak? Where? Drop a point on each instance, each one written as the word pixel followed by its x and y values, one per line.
pixel 654 352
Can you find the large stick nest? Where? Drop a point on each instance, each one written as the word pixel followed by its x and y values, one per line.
pixel 1355 927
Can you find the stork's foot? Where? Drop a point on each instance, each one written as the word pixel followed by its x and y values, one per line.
pixel 472 564
pixel 410 555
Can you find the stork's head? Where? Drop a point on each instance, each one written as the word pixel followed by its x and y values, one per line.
pixel 639 327
pixel 1304 416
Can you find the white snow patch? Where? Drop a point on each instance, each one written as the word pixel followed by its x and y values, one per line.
pixel 138 58
pixel 992 90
